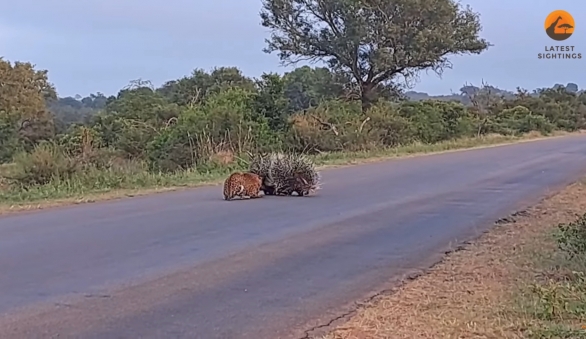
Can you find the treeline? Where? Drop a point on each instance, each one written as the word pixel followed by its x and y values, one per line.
pixel 463 97
pixel 211 119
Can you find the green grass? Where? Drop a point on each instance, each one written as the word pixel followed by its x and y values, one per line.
pixel 99 185
pixel 345 158
pixel 552 301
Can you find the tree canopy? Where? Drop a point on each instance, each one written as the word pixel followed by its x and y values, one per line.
pixel 213 120
pixel 373 42
pixel 24 117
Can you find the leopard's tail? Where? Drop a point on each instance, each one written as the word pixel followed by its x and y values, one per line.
pixel 226 192
pixel 227 182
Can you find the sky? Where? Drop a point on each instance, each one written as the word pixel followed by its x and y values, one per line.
pixel 94 46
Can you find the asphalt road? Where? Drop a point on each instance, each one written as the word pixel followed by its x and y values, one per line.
pixel 190 265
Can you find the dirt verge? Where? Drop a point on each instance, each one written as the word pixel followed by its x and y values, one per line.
pixel 487 289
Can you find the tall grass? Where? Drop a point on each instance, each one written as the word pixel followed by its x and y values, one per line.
pixel 135 175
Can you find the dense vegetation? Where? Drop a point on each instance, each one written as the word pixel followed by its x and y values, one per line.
pixel 209 121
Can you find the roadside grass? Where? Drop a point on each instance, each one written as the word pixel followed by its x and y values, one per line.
pixel 552 303
pixel 523 279
pixel 134 179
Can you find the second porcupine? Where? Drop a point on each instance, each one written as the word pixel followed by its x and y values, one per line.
pixel 283 174
pixel 293 173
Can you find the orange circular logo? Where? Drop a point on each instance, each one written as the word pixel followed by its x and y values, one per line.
pixel 559 25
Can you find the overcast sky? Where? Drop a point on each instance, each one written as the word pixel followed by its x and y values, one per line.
pixel 100 45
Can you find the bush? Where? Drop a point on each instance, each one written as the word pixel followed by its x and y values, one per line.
pixel 519 119
pixel 210 122
pixel 336 125
pixel 571 237
pixel 387 128
pixel 434 121
pixel 329 127
pixel 46 162
pixel 225 124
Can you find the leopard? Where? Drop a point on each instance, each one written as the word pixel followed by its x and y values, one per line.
pixel 241 184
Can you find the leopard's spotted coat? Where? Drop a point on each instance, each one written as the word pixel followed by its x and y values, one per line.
pixel 241 185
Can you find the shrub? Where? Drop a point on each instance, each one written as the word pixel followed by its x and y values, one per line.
pixel 387 128
pixel 571 237
pixel 225 124
pixel 46 162
pixel 519 119
pixel 332 126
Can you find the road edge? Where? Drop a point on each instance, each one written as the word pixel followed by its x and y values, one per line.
pixel 116 195
pixel 394 285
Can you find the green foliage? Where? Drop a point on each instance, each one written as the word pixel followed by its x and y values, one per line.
pixel 46 162
pixel 24 118
pixel 557 332
pixel 331 126
pixel 210 123
pixel 555 300
pixel 571 237
pixel 519 119
pixel 196 88
pixel 434 121
pixel 10 142
pixel 554 304
pixel 307 87
pixel 336 125
pixel 226 123
pixel 565 110
pixel 271 101
pixel 69 110
pixel 372 42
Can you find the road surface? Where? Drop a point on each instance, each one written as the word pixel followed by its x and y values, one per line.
pixel 190 265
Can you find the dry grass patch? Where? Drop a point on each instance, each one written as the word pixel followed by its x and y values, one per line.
pixel 486 290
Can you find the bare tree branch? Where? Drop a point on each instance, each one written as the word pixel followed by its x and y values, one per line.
pixel 326 124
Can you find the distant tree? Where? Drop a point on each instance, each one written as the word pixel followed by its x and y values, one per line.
pixel 306 87
pixel 417 96
pixel 76 110
pixel 572 87
pixel 373 42
pixel 271 102
pixel 484 101
pixel 95 101
pixel 195 88
pixel 24 89
pixel 558 86
pixel 141 103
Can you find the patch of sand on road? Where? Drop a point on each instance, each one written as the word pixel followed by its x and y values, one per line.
pixel 469 294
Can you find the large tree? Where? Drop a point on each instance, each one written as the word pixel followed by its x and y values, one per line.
pixel 375 42
pixel 24 119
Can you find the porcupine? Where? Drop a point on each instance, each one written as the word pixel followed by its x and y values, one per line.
pixel 298 175
pixel 260 165
pixel 283 174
